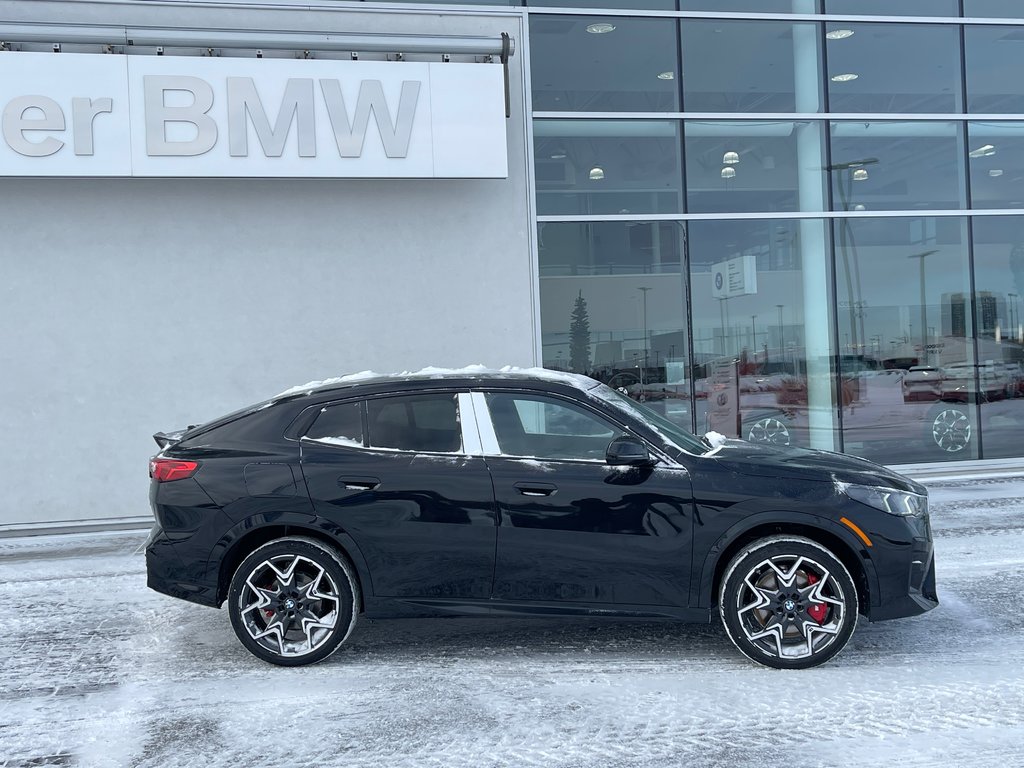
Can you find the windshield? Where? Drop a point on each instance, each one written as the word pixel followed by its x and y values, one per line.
pixel 675 434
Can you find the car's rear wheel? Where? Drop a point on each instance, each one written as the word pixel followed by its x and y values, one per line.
pixel 788 602
pixel 293 601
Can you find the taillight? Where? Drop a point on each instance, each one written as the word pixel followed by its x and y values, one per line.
pixel 166 470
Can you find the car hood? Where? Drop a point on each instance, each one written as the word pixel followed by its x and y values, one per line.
pixel 804 464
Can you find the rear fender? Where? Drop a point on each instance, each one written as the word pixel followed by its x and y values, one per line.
pixel 285 524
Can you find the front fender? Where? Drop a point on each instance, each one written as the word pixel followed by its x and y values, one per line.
pixel 782 519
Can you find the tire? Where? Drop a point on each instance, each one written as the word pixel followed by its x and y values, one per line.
pixel 788 603
pixel 293 601
pixel 949 428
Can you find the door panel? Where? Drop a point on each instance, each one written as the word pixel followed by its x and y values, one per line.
pixel 603 535
pixel 424 522
pixel 575 529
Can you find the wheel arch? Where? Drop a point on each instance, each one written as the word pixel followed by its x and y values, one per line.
pixel 832 538
pixel 246 537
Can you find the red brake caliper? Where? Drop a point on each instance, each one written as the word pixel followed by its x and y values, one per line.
pixel 817 610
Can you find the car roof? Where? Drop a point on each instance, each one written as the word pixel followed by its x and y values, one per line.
pixel 475 373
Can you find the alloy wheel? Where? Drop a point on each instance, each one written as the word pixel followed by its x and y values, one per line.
pixel 289 605
pixel 791 607
pixel 769 430
pixel 951 430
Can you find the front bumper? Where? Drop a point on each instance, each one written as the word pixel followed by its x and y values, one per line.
pixel 906 583
pixel 167 574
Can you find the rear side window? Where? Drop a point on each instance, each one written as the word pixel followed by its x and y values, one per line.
pixel 342 424
pixel 421 423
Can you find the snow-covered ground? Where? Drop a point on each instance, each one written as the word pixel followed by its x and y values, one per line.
pixel 96 670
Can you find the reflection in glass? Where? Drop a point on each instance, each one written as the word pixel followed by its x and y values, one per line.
pixel 994 56
pixel 999 301
pixel 906 350
pixel 884 166
pixel 740 6
pixel 747 66
pixel 892 7
pixel 604 63
pixel 761 336
pixel 870 71
pixel 613 306
pixel 996 163
pixel 607 166
pixel 994 9
pixel 752 166
pixel 638 5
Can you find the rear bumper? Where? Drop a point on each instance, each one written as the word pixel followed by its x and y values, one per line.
pixel 166 573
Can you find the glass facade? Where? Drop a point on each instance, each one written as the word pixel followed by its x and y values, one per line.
pixel 798 230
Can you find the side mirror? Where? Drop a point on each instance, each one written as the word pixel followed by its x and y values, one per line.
pixel 628 451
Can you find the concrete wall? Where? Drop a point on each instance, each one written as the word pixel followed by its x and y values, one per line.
pixel 131 306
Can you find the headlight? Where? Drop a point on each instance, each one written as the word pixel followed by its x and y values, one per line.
pixel 888 500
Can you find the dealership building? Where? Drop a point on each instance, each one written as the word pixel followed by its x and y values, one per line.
pixel 796 221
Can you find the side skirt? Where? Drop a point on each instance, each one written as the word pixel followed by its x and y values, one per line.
pixel 389 608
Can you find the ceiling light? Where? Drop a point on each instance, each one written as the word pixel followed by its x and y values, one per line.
pixel 558 154
pixel 860 175
pixel 728 173
pixel 601 28
pixel 596 173
pixel 666 75
pixel 995 172
pixel 839 34
pixel 859 207
pixel 986 150
pixel 731 158
pixel 844 78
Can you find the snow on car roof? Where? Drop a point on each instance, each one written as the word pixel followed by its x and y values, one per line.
pixel 433 372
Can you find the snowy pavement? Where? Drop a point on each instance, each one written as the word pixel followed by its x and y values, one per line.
pixel 96 670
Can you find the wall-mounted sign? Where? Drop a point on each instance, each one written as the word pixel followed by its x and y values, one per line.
pixel 734 277
pixel 113 115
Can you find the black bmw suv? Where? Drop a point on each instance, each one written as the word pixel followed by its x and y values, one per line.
pixel 523 492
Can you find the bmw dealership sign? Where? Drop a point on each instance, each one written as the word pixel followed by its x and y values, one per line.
pixel 144 116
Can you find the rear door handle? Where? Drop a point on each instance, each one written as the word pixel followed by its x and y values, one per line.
pixel 536 489
pixel 359 483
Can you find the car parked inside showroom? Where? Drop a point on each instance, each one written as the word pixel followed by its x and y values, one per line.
pixel 523 493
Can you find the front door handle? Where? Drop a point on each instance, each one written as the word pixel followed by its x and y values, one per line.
pixel 536 489
pixel 359 483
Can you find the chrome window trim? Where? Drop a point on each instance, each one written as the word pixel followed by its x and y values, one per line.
pixel 488 437
pixel 468 423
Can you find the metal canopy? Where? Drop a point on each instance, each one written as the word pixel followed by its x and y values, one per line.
pixel 233 38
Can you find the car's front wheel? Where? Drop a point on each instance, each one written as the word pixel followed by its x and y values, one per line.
pixel 293 601
pixel 788 602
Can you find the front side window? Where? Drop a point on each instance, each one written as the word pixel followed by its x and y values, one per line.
pixel 420 423
pixel 544 427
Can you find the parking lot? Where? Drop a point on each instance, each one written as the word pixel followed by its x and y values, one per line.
pixel 97 670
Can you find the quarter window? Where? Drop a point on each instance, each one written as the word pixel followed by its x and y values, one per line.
pixel 341 424
pixel 536 426
pixel 421 423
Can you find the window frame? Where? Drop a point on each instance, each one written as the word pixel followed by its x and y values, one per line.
pixel 489 438
pixel 469 435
